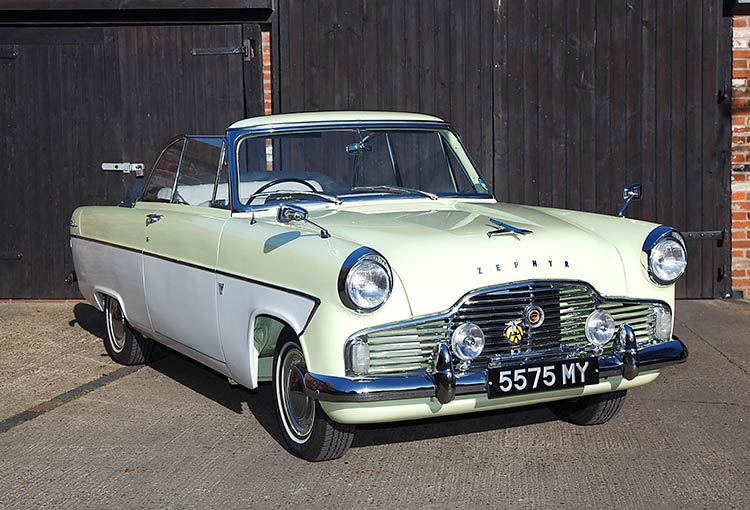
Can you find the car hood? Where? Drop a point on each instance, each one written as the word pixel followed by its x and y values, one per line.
pixel 440 250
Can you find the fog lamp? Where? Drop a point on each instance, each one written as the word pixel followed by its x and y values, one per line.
pixel 467 341
pixel 600 327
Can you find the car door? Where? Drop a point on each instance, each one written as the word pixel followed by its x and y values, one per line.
pixel 179 257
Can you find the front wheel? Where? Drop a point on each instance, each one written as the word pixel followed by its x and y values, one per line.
pixel 124 344
pixel 308 431
pixel 591 410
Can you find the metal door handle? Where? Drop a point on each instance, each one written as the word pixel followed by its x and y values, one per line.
pixel 153 218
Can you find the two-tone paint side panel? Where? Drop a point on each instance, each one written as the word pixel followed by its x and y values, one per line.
pixel 106 243
pixel 181 290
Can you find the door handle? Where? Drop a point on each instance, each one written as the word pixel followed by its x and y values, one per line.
pixel 153 218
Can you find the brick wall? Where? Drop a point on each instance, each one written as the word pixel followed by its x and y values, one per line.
pixel 266 49
pixel 741 155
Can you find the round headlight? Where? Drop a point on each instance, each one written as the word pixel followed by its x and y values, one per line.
pixel 662 324
pixel 667 260
pixel 600 327
pixel 467 341
pixel 366 283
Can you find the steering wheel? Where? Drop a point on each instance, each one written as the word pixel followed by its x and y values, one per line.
pixel 279 181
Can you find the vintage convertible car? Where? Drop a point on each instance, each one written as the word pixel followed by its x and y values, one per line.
pixel 359 262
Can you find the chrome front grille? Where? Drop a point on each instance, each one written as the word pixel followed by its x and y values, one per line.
pixel 408 346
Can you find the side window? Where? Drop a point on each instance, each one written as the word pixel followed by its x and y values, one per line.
pixel 198 172
pixel 161 181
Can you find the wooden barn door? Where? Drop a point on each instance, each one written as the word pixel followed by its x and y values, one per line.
pixel 560 103
pixel 74 98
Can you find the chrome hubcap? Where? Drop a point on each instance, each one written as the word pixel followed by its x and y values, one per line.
pixel 116 326
pixel 298 407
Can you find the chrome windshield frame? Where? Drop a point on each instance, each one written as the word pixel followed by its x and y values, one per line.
pixel 237 135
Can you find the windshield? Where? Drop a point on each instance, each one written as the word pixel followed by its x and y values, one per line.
pixel 351 163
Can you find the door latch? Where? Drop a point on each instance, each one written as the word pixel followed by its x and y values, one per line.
pixel 153 218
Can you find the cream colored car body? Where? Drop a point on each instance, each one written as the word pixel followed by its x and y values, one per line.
pixel 239 277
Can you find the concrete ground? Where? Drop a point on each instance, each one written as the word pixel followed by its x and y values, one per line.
pixel 176 435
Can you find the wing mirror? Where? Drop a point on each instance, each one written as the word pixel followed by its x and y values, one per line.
pixel 632 192
pixel 288 213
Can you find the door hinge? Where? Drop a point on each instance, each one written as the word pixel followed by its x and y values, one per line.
pixel 707 235
pixel 8 51
pixel 125 168
pixel 247 50
pixel 11 256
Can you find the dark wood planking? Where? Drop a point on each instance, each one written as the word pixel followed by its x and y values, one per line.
pixel 664 64
pixel 507 79
pixel 603 103
pixel 612 194
pixel 693 142
pixel 573 92
pixel 528 46
pixel 649 100
pixel 634 84
pixel 723 150
pixel 678 141
pixel 587 111
pixel 486 24
pixel 710 166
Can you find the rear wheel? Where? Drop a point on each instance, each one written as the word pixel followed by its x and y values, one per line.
pixel 591 410
pixel 308 431
pixel 124 344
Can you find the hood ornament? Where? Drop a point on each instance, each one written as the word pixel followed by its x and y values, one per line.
pixel 504 228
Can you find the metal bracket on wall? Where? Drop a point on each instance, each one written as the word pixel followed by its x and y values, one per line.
pixel 8 51
pixel 707 235
pixel 125 168
pixel 11 256
pixel 247 50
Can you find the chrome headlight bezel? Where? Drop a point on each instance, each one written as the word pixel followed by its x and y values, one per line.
pixel 359 259
pixel 656 239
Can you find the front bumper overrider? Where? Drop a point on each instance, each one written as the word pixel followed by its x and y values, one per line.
pixel 627 361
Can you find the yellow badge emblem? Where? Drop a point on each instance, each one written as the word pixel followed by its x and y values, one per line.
pixel 514 333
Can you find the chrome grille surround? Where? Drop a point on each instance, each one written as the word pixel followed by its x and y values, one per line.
pixel 407 347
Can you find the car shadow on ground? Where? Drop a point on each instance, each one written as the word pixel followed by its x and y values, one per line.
pixel 214 386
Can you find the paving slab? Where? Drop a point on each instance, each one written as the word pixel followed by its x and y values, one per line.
pixel 176 435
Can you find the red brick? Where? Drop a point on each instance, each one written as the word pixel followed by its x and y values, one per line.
pixel 740 225
pixel 738 158
pixel 741 73
pixel 739 195
pixel 738 254
pixel 741 206
pixel 739 21
pixel 739 63
pixel 741 244
pixel 738 53
pixel 739 273
pixel 738 234
pixel 741 283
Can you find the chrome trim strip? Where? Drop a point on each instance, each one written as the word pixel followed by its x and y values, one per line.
pixel 342 389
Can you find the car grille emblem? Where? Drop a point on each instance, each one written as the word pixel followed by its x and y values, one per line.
pixel 534 316
pixel 514 332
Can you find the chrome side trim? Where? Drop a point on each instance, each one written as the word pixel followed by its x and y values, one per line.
pixel 342 389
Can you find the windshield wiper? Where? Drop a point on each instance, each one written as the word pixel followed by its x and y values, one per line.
pixel 328 198
pixel 400 190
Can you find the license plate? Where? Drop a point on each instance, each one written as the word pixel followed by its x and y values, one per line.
pixel 534 377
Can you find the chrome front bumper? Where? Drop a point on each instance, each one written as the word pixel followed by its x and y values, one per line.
pixel 442 383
